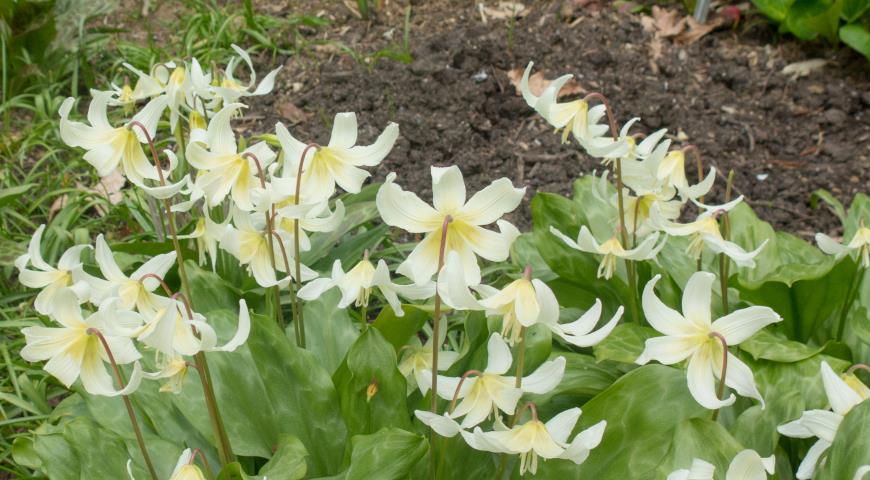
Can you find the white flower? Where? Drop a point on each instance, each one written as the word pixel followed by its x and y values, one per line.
pixel 535 439
pixel 612 249
pixel 73 352
pixel 573 117
pixel 704 231
pixel 491 391
pixel 356 285
pixel 672 171
pixel 50 279
pixel 339 161
pixel 109 147
pixel 133 290
pixel 824 423
pixel 185 469
pixel 746 465
pixel 693 336
pixel 153 84
pixel 248 242
pixel 418 359
pixel 231 89
pixel 465 234
pixel 860 245
pixel 172 369
pixel 207 234
pixel 223 169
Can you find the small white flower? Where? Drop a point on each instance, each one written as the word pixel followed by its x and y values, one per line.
pixel 185 469
pixel 132 291
pixel 231 89
pixel 465 234
pixel 824 423
pixel 612 249
pixel 692 335
pixel 356 286
pixel 418 359
pixel 859 245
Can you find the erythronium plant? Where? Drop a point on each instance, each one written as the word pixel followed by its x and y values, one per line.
pixel 496 331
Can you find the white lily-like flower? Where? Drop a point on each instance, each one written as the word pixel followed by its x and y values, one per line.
pixel 746 465
pixel 535 439
pixel 133 290
pixel 491 391
pixel 207 234
pixel 356 286
pixel 612 249
pixel 150 85
pixel 648 148
pixel 672 171
pixel 692 335
pixel 418 359
pixel 247 240
pixel 339 161
pixel 73 351
pixel 231 89
pixel 859 245
pixel 704 231
pixel 109 147
pixel 68 273
pixel 172 370
pixel 223 169
pixel 825 423
pixel 573 117
pixel 186 469
pixel 465 233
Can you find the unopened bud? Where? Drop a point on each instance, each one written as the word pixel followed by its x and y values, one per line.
pixel 372 390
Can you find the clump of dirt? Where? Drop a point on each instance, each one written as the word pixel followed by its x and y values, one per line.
pixel 784 137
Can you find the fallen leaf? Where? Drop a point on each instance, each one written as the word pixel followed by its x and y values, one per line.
pixel 502 11
pixel 697 30
pixel 804 68
pixel 292 113
pixel 537 83
pixel 655 53
pixel 667 22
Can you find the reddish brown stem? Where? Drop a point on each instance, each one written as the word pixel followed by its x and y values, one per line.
pixel 721 390
pixel 159 279
pixel 459 387
pixel 297 308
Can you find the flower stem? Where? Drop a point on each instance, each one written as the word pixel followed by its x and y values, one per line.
pixel 521 358
pixel 436 343
pixel 297 308
pixel 724 264
pixel 132 414
pixel 363 318
pixel 225 451
pixel 721 390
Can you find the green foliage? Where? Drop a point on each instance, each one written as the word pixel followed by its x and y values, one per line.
pixel 832 20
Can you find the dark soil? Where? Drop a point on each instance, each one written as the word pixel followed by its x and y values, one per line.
pixel 783 137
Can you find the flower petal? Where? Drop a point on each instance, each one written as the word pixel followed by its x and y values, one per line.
pixel 491 203
pixel 702 383
pixel 545 378
pixel 344 130
pixel 741 324
pixel 808 466
pixel 499 357
pixel 561 425
pixel 405 210
pixel 840 395
pixel 696 298
pixel 448 189
pixel 660 316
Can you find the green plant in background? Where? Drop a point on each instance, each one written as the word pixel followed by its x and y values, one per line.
pixel 833 20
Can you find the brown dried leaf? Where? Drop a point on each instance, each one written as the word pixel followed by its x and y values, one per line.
pixel 292 113
pixel 537 83
pixel 667 22
pixel 502 11
pixel 697 30
pixel 656 45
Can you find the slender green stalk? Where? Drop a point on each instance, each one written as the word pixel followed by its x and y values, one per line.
pixel 363 317
pixel 130 412
pixel 225 451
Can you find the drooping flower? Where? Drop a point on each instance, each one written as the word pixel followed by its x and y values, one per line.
pixel 340 160
pixel 465 233
pixel 612 249
pixel 417 358
pixel 535 439
pixel 248 241
pixel 491 390
pixel 134 290
pixel 186 469
pixel 109 147
pixel 48 278
pixel 746 465
pixel 704 232
pixel 73 351
pixel 232 89
pixel 824 423
pixel 859 245
pixel 207 234
pixel 357 283
pixel 692 335
pixel 223 168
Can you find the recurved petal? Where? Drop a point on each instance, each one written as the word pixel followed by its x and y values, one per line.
pixel 702 383
pixel 741 324
pixel 442 424
pixel 403 209
pixel 344 130
pixel 696 298
pixel 840 395
pixel 831 246
pixel 499 357
pixel 668 349
pixel 561 425
pixel 546 377
pixel 807 468
pixel 660 316
pixel 578 450
pixel 491 203
pixel 594 338
pixel 373 154
pixel 739 377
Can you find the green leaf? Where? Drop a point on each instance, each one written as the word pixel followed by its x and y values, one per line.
pixel 232 471
pixel 7 195
pixel 851 447
pixel 643 410
pixel 525 252
pixel 398 330
pixel 371 363
pixel 831 200
pixel 329 329
pixel 389 454
pixel 856 36
pixel 288 462
pixel 324 242
pixel 853 9
pixel 624 344
pixel 775 9
pixel 24 453
pixel 700 438
pixel 764 345
pixel 584 378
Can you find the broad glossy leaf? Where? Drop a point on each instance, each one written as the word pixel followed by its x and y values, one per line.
pixel 624 344
pixel 329 330
pixel 584 378
pixel 389 454
pixel 524 252
pixel 371 363
pixel 856 36
pixel 288 462
pixel 775 9
pixel 699 438
pixel 398 330
pixel 765 345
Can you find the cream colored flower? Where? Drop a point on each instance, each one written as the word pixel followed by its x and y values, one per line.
pixel 417 359
pixel 232 89
pixel 339 161
pixel 207 234
pixel 356 286
pixel 111 147
pixel 612 249
pixel 746 465
pixel 692 335
pixel 223 169
pixel 50 279
pixel 465 234
pixel 859 245
pixel 73 352
pixel 185 469
pixel 133 290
